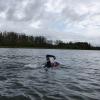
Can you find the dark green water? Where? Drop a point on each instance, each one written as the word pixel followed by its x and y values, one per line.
pixel 22 76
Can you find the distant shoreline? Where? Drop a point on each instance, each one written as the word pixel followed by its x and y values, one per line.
pixel 3 47
pixel 18 40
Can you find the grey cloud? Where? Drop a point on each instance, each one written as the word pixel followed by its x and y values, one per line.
pixel 11 6
pixel 70 14
pixel 3 5
pixel 31 11
pixel 35 10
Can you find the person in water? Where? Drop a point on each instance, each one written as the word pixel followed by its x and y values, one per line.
pixel 49 63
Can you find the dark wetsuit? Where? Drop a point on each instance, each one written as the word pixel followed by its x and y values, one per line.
pixel 48 64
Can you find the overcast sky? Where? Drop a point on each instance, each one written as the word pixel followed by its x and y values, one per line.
pixel 68 20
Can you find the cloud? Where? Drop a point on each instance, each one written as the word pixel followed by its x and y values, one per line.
pixel 76 20
pixel 36 24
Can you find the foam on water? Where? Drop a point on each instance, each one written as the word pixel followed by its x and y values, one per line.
pixel 31 65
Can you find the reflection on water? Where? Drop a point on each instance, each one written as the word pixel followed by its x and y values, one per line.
pixel 22 76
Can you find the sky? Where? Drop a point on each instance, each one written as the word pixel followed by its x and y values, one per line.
pixel 67 20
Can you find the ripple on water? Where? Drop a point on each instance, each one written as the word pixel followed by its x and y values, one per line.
pixel 23 78
pixel 3 78
pixel 76 97
pixel 20 97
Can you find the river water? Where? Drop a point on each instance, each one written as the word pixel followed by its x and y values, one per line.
pixel 22 76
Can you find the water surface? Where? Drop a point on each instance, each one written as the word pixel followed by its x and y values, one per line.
pixel 22 76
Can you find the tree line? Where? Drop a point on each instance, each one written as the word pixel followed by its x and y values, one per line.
pixel 13 39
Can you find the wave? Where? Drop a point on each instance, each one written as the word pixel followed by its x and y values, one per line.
pixel 20 97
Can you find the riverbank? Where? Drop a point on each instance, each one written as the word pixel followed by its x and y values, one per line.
pixel 45 48
pixel 17 40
